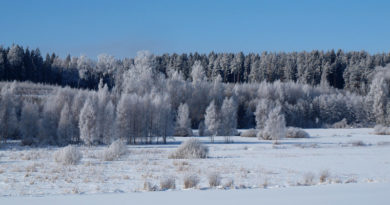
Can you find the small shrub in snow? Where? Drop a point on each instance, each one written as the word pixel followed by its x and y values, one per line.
pixel 183 132
pixel 68 155
pixel 294 132
pixel 115 150
pixel 308 179
pixel 382 143
pixel 149 187
pixel 190 149
pixel 381 130
pixel 167 183
pixel 358 143
pixel 191 181
pixel 324 175
pixel 229 183
pixel 214 179
pixel 341 124
pixel 350 180
pixel 249 133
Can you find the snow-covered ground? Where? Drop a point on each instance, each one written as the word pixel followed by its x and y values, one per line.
pixel 356 194
pixel 351 156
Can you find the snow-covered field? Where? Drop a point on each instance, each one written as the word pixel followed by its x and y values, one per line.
pixel 350 156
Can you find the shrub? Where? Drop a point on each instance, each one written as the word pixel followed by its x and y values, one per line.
pixel 249 133
pixel 358 143
pixel 167 183
pixel 214 179
pixel 308 179
pixel 324 175
pixel 381 130
pixel 294 132
pixel 183 132
pixel 69 155
pixel 191 181
pixel 115 150
pixel 229 183
pixel 190 149
pixel 149 187
pixel 341 124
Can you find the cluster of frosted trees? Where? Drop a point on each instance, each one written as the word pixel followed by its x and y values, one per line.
pixel 342 70
pixel 147 106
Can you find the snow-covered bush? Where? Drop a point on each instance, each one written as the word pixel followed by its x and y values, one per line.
pixel 294 132
pixel 191 181
pixel 324 175
pixel 308 179
pixel 115 150
pixel 228 183
pixel 341 124
pixel 167 183
pixel 149 186
pixel 249 133
pixel 69 155
pixel 381 130
pixel 190 149
pixel 214 179
pixel 357 143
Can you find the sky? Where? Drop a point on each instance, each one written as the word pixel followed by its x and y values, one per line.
pixel 121 28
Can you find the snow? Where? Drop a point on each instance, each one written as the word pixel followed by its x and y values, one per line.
pixel 252 164
pixel 356 194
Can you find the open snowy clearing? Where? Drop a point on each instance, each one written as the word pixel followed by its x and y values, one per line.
pixel 349 156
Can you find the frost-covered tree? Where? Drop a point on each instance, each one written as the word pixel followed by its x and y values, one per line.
pixel 29 123
pixel 197 73
pixel 263 108
pixel 108 131
pixel 124 118
pixel 217 91
pixel 379 96
pixel 66 128
pixel 142 76
pixel 103 96
pixel 275 126
pixel 212 120
pixel 228 117
pixel 88 123
pixel 183 122
pixel 8 118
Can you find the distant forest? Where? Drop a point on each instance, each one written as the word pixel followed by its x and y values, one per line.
pixel 150 98
pixel 343 70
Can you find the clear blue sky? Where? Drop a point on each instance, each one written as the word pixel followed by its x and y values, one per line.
pixel 121 28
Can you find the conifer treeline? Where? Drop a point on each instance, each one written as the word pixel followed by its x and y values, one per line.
pixel 342 70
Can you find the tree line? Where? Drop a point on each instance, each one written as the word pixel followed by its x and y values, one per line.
pixel 338 69
pixel 146 105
